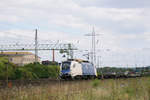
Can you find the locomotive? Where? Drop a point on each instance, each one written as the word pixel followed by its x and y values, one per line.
pixel 77 69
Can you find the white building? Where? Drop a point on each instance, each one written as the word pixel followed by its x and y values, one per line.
pixel 20 58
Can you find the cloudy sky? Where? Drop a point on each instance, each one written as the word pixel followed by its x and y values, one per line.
pixel 124 26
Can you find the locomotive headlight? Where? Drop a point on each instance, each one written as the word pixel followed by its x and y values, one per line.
pixel 69 72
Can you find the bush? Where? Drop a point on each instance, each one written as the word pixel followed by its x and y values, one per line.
pixel 53 71
pixel 3 69
pixel 95 83
pixel 23 73
pixel 29 71
pixel 42 71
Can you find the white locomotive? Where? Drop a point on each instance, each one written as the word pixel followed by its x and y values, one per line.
pixel 77 69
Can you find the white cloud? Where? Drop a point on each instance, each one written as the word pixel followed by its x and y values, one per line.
pixel 68 20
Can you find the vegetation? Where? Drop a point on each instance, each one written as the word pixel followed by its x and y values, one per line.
pixel 145 71
pixel 3 69
pixel 29 71
pixel 95 83
pixel 118 89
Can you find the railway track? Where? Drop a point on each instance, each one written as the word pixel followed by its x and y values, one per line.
pixel 17 83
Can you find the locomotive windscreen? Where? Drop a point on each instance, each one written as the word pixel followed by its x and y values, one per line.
pixel 66 65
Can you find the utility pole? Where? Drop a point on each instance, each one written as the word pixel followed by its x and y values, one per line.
pixel 94 48
pixel 36 46
pixel 93 51
pixel 7 63
pixel 71 54
pixel 7 72
pixel 98 63
pixel 70 51
pixel 53 55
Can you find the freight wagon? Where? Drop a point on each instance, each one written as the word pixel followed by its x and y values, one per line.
pixel 77 69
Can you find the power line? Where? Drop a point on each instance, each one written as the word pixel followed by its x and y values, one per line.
pixel 11 46
pixel 31 47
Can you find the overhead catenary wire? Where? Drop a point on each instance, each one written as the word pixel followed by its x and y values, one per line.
pixel 35 45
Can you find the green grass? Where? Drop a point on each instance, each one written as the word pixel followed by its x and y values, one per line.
pixel 118 89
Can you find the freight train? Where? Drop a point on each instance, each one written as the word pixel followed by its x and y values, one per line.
pixel 77 69
pixel 81 69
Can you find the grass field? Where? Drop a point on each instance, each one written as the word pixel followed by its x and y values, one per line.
pixel 110 89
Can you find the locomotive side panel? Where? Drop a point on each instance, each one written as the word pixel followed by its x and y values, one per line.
pixel 76 69
pixel 88 69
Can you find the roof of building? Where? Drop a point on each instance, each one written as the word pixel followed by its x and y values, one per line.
pixel 16 53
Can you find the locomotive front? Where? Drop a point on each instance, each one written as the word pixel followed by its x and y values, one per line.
pixel 65 71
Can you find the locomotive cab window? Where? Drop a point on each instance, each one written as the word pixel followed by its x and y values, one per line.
pixel 66 65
